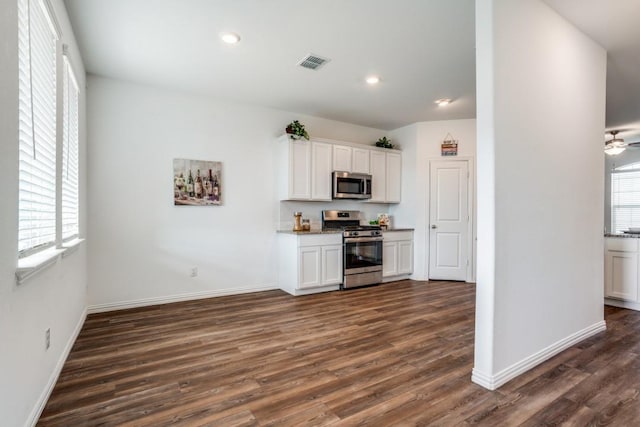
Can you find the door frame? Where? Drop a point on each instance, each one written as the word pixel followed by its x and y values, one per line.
pixel 471 212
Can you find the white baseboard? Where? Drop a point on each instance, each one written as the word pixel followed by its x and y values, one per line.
pixel 622 304
pixel 44 397
pixel 121 305
pixel 492 382
pixel 298 292
pixel 396 278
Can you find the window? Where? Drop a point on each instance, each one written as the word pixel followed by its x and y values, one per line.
pixel 625 197
pixel 48 205
pixel 69 174
pixel 37 128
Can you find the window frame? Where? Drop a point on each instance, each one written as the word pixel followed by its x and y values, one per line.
pixel 616 173
pixel 34 259
pixel 69 81
pixel 38 123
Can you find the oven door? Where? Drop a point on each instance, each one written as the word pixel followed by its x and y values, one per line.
pixel 362 255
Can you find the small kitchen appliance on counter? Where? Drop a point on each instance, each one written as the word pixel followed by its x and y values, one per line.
pixel 361 247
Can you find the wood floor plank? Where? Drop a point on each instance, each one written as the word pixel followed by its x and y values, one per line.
pixel 395 354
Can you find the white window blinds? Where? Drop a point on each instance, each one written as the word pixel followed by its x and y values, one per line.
pixel 70 154
pixel 37 127
pixel 625 198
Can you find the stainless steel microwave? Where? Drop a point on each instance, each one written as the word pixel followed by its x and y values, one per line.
pixel 348 185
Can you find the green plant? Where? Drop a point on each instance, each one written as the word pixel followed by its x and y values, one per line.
pixel 373 222
pixel 296 130
pixel 384 142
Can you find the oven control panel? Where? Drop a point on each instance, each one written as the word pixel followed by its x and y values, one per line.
pixel 362 233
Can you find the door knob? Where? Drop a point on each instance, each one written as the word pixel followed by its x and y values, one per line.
pixel 434 226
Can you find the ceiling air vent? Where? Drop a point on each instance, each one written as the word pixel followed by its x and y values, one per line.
pixel 313 62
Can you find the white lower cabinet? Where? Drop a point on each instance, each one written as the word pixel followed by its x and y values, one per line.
pixel 309 263
pixel 405 257
pixel 389 259
pixel 331 259
pixel 621 278
pixel 397 255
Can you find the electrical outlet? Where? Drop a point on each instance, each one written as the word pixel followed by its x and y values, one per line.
pixel 194 271
pixel 47 339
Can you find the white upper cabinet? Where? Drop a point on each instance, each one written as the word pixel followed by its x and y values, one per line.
pixel 360 160
pixel 342 158
pixel 378 176
pixel 299 168
pixel 386 181
pixel 394 177
pixel 350 159
pixel 304 169
pixel 321 160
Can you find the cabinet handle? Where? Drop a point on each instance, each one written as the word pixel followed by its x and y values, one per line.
pixel 434 226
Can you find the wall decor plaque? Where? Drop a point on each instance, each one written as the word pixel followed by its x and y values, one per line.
pixel 449 146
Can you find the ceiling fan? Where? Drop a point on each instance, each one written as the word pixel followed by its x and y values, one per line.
pixel 616 145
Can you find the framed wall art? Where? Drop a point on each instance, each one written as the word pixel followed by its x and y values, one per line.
pixel 197 182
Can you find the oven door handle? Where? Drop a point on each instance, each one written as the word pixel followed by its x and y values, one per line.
pixel 362 239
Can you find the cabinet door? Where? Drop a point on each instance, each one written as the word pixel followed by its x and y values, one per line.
pixel 299 170
pixel 342 158
pixel 378 172
pixel 360 160
pixel 389 259
pixel 621 275
pixel 394 177
pixel 309 265
pixel 405 257
pixel 332 265
pixel 321 170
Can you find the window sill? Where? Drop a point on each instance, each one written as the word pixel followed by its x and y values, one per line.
pixel 33 264
pixel 71 246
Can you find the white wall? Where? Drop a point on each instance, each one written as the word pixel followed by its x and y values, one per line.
pixel 56 297
pixel 313 211
pixel 541 98
pixel 142 247
pixel 421 143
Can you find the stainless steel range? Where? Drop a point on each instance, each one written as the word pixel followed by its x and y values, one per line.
pixel 361 247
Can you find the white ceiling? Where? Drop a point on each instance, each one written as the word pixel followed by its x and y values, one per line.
pixel 422 49
pixel 614 25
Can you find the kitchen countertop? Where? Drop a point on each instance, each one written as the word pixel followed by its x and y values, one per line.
pixel 339 231
pixel 623 235
pixel 311 232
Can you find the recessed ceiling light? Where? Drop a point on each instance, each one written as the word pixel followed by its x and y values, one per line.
pixel 372 80
pixel 443 101
pixel 231 38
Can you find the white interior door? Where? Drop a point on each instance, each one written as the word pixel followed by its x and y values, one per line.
pixel 449 218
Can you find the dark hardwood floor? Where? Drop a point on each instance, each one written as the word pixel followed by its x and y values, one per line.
pixel 394 354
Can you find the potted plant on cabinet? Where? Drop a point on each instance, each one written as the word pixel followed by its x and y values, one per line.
pixel 384 142
pixel 296 130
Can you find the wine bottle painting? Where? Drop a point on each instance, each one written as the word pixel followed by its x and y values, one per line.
pixel 197 182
